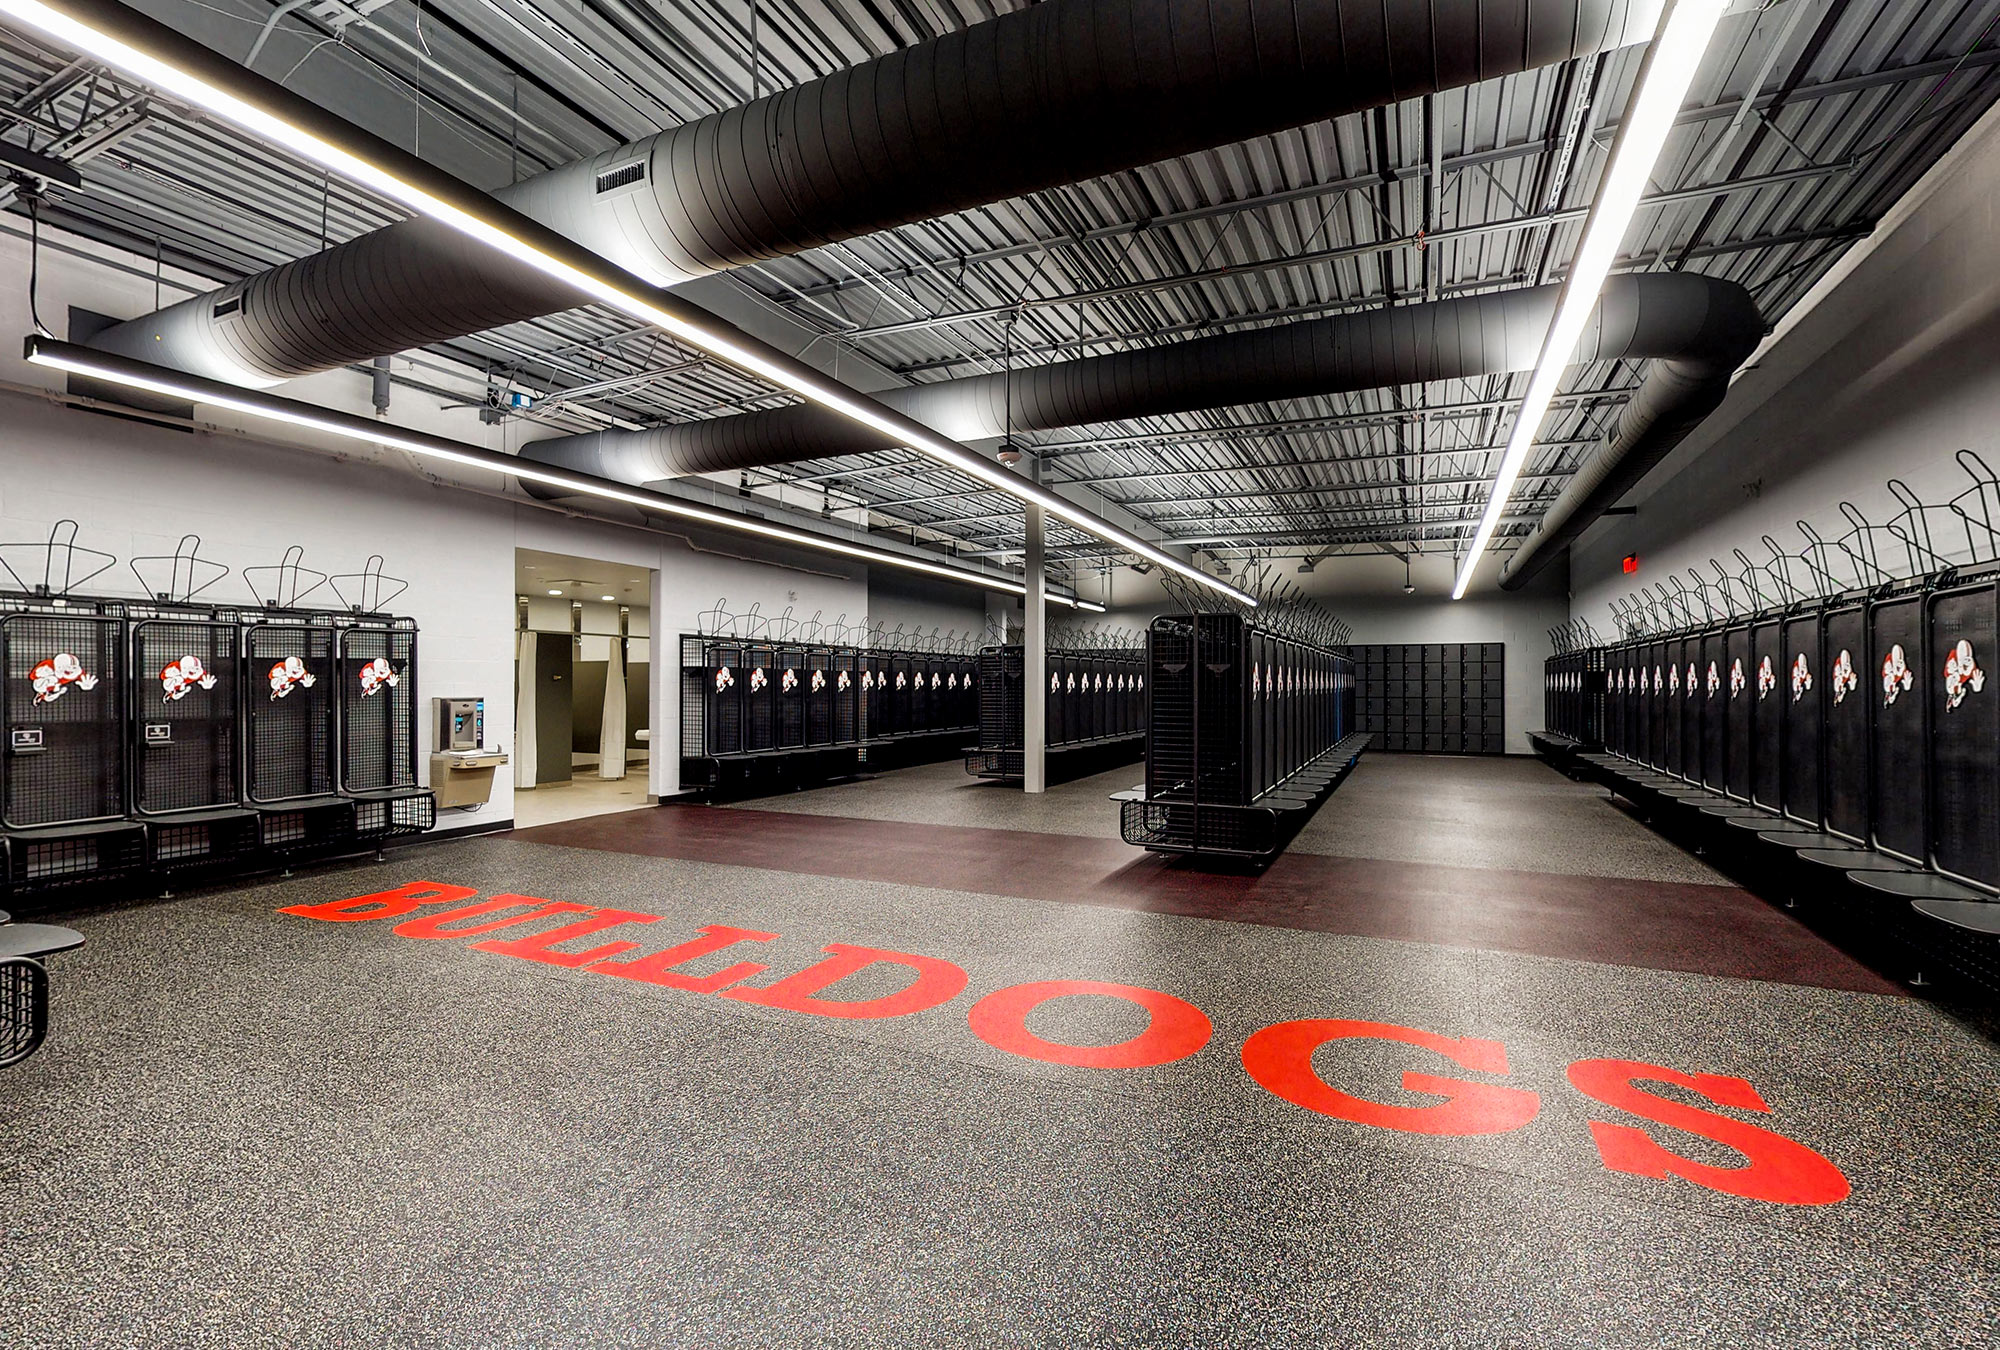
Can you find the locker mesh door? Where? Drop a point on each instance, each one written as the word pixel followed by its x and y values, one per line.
pixel 724 680
pixel 1000 704
pixel 760 698
pixel 65 713
pixel 1896 741
pixel 1965 736
pixel 377 717
pixel 290 742
pixel 1804 691
pixel 184 740
pixel 788 683
pixel 1169 708
pixel 899 695
pixel 819 697
pixel 846 697
pixel 1221 675
pixel 1844 776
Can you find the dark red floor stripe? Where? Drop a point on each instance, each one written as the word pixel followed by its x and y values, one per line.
pixel 1709 930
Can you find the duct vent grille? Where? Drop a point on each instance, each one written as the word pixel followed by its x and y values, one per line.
pixel 225 308
pixel 623 175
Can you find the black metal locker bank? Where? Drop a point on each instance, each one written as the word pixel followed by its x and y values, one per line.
pixel 1432 697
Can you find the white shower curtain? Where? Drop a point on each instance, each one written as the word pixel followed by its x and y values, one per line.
pixel 524 712
pixel 611 743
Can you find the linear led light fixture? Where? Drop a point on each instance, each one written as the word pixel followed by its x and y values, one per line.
pixel 173 384
pixel 1668 69
pixel 157 56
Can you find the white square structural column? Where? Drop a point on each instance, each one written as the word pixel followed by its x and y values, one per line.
pixel 1034 653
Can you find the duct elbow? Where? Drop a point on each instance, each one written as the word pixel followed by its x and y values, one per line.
pixel 1685 385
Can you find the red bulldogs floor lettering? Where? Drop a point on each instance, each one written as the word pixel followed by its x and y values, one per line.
pixel 1279 1058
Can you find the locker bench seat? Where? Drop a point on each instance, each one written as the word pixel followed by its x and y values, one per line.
pixel 1930 896
pixel 1258 832
pixel 72 855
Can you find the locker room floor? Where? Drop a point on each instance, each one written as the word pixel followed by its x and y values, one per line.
pixel 259 1128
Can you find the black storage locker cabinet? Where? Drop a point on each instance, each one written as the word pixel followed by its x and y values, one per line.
pixel 378 729
pixel 291 733
pixel 1247 734
pixel 1432 697
pixel 63 792
pixel 1093 710
pixel 187 706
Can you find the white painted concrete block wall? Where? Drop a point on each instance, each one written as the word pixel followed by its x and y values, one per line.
pixel 1366 593
pixel 136 489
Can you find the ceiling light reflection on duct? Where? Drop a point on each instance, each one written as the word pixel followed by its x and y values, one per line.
pixel 1670 65
pixel 55 355
pixel 498 227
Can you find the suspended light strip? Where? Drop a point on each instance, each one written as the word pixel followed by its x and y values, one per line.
pixel 161 58
pixel 1669 69
pixel 130 374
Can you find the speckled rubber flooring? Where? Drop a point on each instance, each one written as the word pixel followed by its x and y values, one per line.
pixel 254 1128
pixel 1460 810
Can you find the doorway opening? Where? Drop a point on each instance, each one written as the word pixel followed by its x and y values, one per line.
pixel 583 687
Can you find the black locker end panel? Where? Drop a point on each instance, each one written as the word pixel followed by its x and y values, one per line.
pixel 1803 687
pixel 1844 776
pixel 1965 734
pixel 1738 693
pixel 1766 696
pixel 1896 741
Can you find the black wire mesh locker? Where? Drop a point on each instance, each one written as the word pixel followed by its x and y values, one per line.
pixel 1898 726
pixel 378 729
pixel 790 690
pixel 65 711
pixel 1447 698
pixel 63 791
pixel 289 709
pixel 1574 688
pixel 186 680
pixel 1247 734
pixel 1001 705
pixel 1964 734
pixel 185 749
pixel 712 684
pixel 847 704
pixel 818 696
pixel 1091 697
pixel 378 725
pixel 760 703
